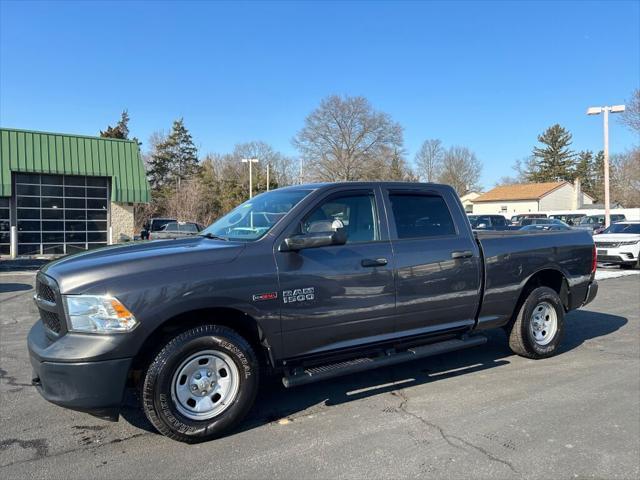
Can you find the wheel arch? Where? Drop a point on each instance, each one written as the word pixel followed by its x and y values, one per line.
pixel 239 321
pixel 546 277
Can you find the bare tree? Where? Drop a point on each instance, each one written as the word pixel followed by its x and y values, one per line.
pixel 631 116
pixel 507 180
pixel 460 169
pixel 429 160
pixel 625 178
pixel 344 137
pixel 186 203
pixel 282 170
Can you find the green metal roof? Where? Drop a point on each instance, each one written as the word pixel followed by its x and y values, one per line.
pixel 57 153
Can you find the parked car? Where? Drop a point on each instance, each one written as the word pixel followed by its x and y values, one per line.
pixel 173 230
pixel 545 227
pixel 517 219
pixel 570 219
pixel 595 223
pixel 154 225
pixel 541 221
pixel 620 244
pixel 488 222
pixel 335 279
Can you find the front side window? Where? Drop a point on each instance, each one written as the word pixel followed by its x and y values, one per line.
pixel 255 217
pixel 418 216
pixel 355 213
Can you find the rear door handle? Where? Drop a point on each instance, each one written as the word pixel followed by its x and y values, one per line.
pixel 374 262
pixel 461 254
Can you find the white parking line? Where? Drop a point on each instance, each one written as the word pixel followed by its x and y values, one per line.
pixel 604 274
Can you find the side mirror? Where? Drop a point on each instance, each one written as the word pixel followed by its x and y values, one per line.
pixel 298 242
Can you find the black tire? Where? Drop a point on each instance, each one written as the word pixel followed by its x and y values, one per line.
pixel 521 339
pixel 160 405
pixel 627 266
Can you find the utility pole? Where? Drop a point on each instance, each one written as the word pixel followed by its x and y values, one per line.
pixel 250 161
pixel 605 111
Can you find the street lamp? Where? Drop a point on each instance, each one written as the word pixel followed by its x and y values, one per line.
pixel 250 161
pixel 597 111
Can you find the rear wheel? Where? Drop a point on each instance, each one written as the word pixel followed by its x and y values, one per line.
pixel 201 384
pixel 538 328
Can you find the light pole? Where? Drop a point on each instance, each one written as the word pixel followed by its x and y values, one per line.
pixel 597 111
pixel 267 177
pixel 250 161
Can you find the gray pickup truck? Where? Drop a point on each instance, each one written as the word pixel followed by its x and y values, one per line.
pixel 307 282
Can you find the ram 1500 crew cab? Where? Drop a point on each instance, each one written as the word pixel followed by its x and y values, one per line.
pixel 306 282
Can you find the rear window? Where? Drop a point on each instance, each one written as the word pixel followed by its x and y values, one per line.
pixel 418 216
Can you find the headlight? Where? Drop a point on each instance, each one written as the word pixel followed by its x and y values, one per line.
pixel 630 243
pixel 98 314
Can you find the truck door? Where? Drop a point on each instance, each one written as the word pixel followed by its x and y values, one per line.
pixel 437 261
pixel 340 295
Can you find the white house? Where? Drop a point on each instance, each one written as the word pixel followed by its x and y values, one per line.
pixel 531 197
pixel 467 200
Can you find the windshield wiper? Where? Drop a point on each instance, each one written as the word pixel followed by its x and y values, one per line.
pixel 211 236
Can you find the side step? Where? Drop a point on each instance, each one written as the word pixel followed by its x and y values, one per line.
pixel 302 376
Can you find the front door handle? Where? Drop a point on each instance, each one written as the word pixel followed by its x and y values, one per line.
pixel 461 254
pixel 374 262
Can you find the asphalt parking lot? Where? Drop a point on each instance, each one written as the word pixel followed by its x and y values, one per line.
pixel 477 413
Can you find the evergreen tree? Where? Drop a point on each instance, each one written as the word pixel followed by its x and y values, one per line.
pixel 121 130
pixel 597 169
pixel 173 159
pixel 185 153
pixel 552 161
pixel 584 170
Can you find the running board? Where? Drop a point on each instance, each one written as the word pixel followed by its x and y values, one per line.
pixel 302 376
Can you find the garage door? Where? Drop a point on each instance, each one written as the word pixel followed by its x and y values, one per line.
pixel 5 228
pixel 60 214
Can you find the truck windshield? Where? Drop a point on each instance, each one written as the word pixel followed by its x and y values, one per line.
pixel 255 217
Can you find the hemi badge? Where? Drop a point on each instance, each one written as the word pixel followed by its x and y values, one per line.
pixel 265 296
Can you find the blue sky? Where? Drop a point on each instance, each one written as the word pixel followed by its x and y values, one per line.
pixel 486 75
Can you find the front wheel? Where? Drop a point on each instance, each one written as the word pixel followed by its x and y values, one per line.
pixel 539 326
pixel 201 384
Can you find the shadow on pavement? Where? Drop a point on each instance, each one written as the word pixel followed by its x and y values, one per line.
pixel 274 402
pixel 14 287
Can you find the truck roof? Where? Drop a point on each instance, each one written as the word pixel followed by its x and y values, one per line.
pixel 386 183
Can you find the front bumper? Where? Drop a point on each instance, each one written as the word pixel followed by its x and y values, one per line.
pixel 618 255
pixel 86 385
pixel 592 291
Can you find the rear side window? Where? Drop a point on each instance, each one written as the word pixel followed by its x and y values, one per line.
pixel 419 216
pixel 189 227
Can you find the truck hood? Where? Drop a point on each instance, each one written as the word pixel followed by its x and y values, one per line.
pixel 617 237
pixel 84 271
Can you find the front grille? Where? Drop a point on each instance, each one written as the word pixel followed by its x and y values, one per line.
pixel 607 244
pixel 51 320
pixel 47 302
pixel 45 292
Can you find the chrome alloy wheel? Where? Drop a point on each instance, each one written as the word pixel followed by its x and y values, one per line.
pixel 544 323
pixel 205 385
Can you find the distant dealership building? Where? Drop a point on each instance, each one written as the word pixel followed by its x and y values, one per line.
pixel 61 194
pixel 531 197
